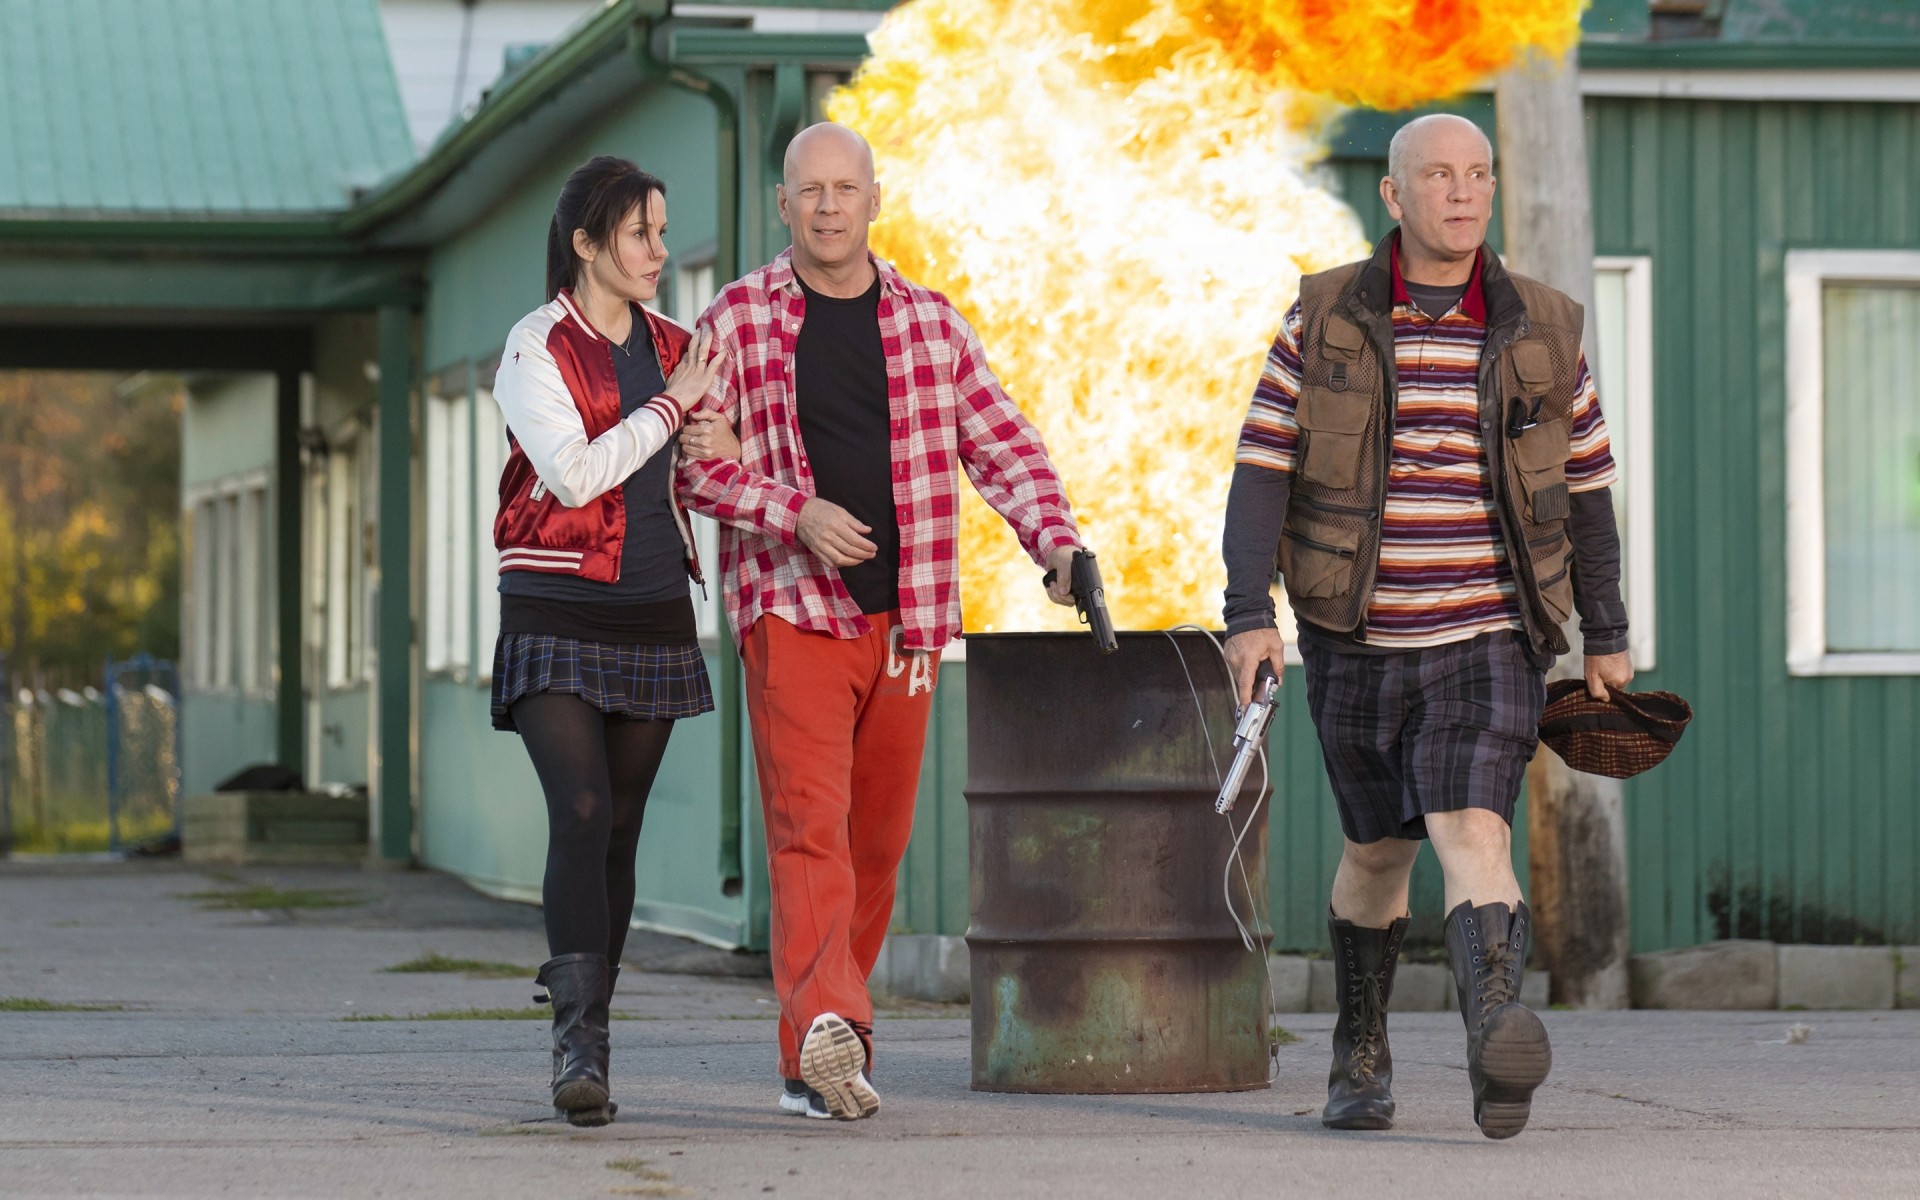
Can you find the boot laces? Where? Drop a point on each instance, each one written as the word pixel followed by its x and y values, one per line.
pixel 1496 977
pixel 1367 995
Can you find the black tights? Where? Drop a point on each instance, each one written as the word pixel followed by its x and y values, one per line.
pixel 596 771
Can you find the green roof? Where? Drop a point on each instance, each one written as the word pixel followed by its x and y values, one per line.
pixel 194 109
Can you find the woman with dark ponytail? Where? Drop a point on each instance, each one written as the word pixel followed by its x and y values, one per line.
pixel 598 654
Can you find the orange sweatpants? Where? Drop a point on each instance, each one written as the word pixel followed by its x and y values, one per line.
pixel 838 730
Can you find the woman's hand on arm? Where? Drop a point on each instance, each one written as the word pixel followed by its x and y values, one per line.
pixel 693 378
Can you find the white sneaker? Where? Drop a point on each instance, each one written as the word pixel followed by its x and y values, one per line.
pixel 834 1064
pixel 802 1101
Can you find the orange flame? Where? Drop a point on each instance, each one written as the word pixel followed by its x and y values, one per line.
pixel 1121 196
pixel 1386 54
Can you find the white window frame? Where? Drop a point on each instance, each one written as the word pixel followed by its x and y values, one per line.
pixel 449 549
pixel 229 601
pixel 1634 394
pixel 489 460
pixel 696 282
pixel 1808 273
pixel 348 484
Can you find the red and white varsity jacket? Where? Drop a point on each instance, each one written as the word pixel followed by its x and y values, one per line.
pixel 561 506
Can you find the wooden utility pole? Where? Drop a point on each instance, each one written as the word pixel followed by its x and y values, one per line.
pixel 1576 823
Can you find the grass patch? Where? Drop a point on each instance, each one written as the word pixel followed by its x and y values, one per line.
pixel 528 1130
pixel 1278 1035
pixel 472 968
pixel 651 1189
pixel 29 1004
pixel 641 1167
pixel 274 899
pixel 88 837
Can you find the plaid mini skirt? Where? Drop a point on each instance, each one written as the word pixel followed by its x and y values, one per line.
pixel 647 683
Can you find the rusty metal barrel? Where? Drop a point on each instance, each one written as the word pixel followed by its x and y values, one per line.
pixel 1103 954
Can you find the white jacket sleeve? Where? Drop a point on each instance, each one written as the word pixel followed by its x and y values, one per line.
pixel 543 418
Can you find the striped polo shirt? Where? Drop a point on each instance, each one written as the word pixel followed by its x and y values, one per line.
pixel 1444 575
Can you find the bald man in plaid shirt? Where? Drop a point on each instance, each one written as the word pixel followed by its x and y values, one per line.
pixel 856 394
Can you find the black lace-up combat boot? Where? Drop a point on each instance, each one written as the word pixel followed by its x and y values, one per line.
pixel 1507 1051
pixel 1360 1086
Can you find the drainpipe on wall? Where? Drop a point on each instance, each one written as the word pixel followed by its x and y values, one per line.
pixel 394 733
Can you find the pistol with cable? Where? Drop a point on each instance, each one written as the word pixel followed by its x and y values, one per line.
pixel 1089 598
pixel 1249 735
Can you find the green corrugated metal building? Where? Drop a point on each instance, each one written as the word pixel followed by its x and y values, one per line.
pixel 1756 179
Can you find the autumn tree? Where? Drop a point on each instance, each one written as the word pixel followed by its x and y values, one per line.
pixel 89 521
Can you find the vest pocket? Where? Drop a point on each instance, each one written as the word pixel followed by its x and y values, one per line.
pixel 1556 592
pixel 1333 429
pixel 1540 463
pixel 1551 555
pixel 1317 560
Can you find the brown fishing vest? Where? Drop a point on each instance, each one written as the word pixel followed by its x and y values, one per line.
pixel 1330 544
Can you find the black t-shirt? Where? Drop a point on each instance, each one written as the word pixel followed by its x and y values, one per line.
pixel 649 603
pixel 1435 302
pixel 840 392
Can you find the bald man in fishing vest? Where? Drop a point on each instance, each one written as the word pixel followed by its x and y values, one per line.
pixel 1426 460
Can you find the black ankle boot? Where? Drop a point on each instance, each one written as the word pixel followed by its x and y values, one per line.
pixel 613 977
pixel 1360 1086
pixel 580 987
pixel 1508 1055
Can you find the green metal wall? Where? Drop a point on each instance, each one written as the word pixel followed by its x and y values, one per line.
pixel 1792 806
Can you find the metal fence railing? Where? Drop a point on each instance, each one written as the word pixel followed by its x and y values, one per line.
pixel 91 770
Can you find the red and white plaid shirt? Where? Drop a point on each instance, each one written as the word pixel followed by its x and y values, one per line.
pixel 946 410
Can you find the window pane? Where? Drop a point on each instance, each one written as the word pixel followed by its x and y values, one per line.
pixel 459 536
pixel 246 633
pixel 439 532
pixel 345 603
pixel 226 564
pixel 694 288
pixel 202 534
pixel 1871 458
pixel 1610 371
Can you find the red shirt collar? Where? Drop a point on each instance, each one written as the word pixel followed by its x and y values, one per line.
pixel 1473 303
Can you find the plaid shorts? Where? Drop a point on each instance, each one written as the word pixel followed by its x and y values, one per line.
pixel 647 683
pixel 1431 730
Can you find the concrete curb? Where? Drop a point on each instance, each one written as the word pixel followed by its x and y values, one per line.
pixel 1826 977
pixel 1755 975
pixel 1729 975
pixel 923 966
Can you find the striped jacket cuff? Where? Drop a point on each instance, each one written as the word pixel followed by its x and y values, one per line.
pixel 668 409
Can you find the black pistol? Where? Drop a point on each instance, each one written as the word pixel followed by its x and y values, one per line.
pixel 1089 598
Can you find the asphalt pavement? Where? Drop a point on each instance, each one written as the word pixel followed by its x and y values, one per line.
pixel 191 1051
